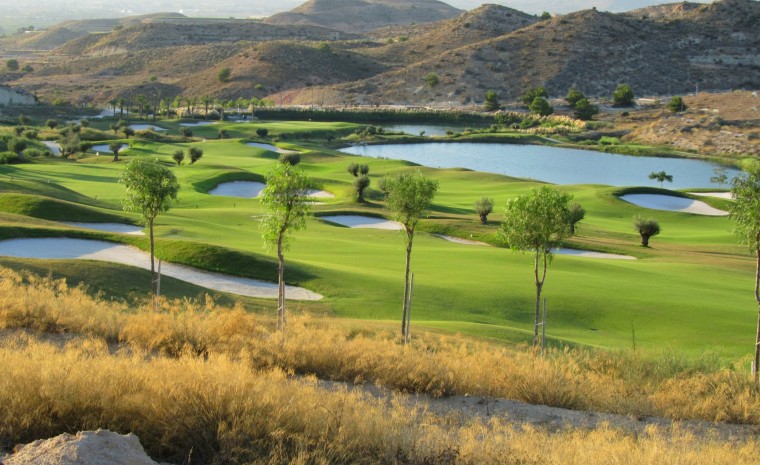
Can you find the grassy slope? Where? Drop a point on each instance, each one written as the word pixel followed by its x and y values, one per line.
pixel 691 290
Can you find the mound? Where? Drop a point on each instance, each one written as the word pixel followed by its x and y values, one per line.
pixel 86 448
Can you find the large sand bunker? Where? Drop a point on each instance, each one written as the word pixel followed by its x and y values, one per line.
pixel 271 148
pixel 672 203
pixel 109 227
pixel 64 248
pixel 592 254
pixel 356 221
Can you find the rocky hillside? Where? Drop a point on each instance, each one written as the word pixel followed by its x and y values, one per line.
pixel 663 50
pixel 364 15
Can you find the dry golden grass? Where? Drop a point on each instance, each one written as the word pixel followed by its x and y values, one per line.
pixel 218 410
pixel 617 382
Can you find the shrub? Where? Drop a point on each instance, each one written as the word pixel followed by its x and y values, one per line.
pixel 291 159
pixel 186 132
pixel 361 183
pixel 623 96
pixel 432 79
pixel 540 106
pixel 17 145
pixel 178 156
pixel 224 75
pixel 483 208
pixel 7 158
pixel 530 95
pixel 676 104
pixel 36 153
pixel 262 132
pixel 574 96
pixel 195 154
pixel 51 123
pixel 646 227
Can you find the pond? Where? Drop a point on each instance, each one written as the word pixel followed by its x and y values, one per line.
pixel 427 130
pixel 550 164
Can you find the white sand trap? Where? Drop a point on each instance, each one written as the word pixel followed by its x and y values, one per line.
pixel 459 240
pixel 109 227
pixel 356 221
pixel 590 254
pixel 271 148
pixel 199 123
pixel 61 248
pixel 53 146
pixel 720 195
pixel 106 149
pixel 671 203
pixel 244 189
pixel 145 127
pixel 317 194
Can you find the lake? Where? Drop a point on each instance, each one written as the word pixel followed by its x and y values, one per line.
pixel 428 130
pixel 550 164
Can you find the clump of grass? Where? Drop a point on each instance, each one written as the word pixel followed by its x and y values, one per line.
pixel 664 384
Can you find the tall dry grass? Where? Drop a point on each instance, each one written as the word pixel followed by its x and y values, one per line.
pixel 217 410
pixel 665 384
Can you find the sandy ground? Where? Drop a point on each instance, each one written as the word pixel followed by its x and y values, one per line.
pixel 53 146
pixel 200 123
pixel 63 248
pixel 355 221
pixel 145 127
pixel 459 240
pixel 591 254
pixel 244 189
pixel 671 203
pixel 109 227
pixel 720 195
pixel 251 189
pixel 104 148
pixel 269 147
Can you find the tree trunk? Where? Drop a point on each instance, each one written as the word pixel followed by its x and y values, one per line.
pixel 483 219
pixel 281 287
pixel 539 288
pixel 755 372
pixel 153 282
pixel 410 237
pixel 645 240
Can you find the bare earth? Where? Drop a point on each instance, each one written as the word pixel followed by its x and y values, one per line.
pixel 63 248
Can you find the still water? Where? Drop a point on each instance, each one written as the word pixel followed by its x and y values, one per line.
pixel 550 164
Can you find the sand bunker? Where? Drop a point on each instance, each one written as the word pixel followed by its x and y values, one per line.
pixel 53 146
pixel 720 195
pixel 590 254
pixel 243 189
pixel 63 248
pixel 145 127
pixel 269 147
pixel 199 123
pixel 106 149
pixel 317 194
pixel 109 227
pixel 671 203
pixel 459 240
pixel 356 221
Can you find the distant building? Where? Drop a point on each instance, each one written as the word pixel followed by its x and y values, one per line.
pixel 10 96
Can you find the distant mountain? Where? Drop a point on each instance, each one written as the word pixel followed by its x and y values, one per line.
pixel 364 15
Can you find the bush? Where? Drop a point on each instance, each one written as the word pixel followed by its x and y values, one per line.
pixel 585 110
pixel 432 79
pixel 491 101
pixel 262 132
pixel 7 158
pixel 530 95
pixel 195 154
pixel 291 159
pixel 17 145
pixel 224 75
pixel 646 227
pixel 540 106
pixel 36 153
pixel 360 185
pixel 186 132
pixel 623 96
pixel 676 104
pixel 178 156
pixel 574 96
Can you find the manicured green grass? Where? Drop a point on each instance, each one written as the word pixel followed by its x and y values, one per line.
pixel 690 290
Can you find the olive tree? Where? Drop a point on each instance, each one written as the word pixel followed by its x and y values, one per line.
pixel 285 200
pixel 178 156
pixel 195 154
pixel 537 222
pixel 575 213
pixel 361 184
pixel 150 187
pixel 115 148
pixel 745 213
pixel 483 208
pixel 646 227
pixel 408 197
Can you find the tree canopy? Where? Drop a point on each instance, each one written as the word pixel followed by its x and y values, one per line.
pixel 623 96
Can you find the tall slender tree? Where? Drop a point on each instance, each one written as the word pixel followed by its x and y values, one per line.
pixel 285 200
pixel 151 187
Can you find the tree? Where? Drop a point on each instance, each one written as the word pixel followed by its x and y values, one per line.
pixel 141 101
pixel 223 134
pixel 491 101
pixel 262 132
pixel 121 102
pixel 285 200
pixel 115 147
pixel 186 132
pixel 545 16
pixel 224 75
pixel 483 208
pixel 575 213
pixel 128 132
pixel 23 120
pixel 530 95
pixel 541 106
pixel 150 189
pixel 573 96
pixel 206 100
pixel 676 104
pixel 623 96
pixel 661 177
pixel 745 213
pixel 178 156
pixel 537 222
pixel 12 65
pixel 353 169
pixel 361 184
pixel 721 176
pixel 195 154
pixel 432 79
pixel 51 123
pixel 585 110
pixel 364 169
pixel 647 227
pixel 408 197
pixel 291 158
